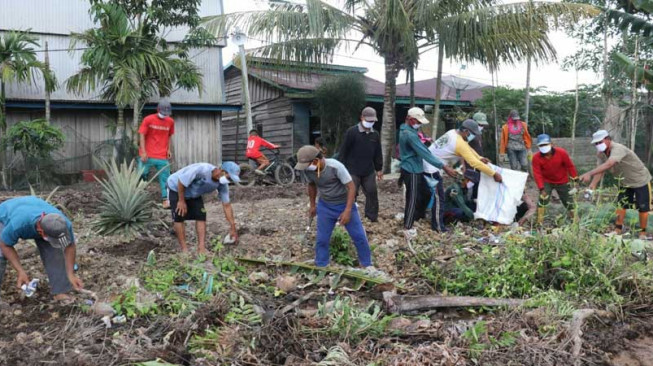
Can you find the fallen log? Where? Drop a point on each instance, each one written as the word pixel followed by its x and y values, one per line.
pixel 403 304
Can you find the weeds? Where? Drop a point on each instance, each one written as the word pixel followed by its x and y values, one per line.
pixel 479 340
pixel 340 247
pixel 584 266
pixel 349 322
pixel 129 304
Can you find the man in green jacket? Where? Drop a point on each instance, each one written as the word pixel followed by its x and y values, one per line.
pixel 411 153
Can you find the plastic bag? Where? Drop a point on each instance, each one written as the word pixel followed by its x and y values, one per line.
pixel 497 202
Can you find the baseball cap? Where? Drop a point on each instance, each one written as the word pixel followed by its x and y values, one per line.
pixel 543 139
pixel 481 119
pixel 369 114
pixel 164 107
pixel 514 114
pixel 233 169
pixel 305 155
pixel 418 114
pixel 56 230
pixel 599 135
pixel 472 126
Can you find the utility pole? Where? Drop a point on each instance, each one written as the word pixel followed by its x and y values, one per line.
pixel 239 38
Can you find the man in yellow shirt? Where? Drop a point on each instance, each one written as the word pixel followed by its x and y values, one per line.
pixel 450 148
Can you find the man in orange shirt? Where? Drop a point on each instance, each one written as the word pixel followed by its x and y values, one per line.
pixel 516 141
pixel 254 143
pixel 154 149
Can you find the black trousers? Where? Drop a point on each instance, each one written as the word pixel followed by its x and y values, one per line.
pixel 368 183
pixel 417 197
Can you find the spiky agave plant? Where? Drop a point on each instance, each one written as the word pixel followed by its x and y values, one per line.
pixel 126 205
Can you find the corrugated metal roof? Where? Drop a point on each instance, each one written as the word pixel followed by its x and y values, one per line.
pixel 58 18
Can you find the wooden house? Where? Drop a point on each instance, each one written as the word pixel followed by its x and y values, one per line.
pixel 282 102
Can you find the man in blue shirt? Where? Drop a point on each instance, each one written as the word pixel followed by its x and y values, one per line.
pixel 411 153
pixel 186 187
pixel 32 218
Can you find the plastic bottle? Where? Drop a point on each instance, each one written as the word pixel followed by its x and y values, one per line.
pixel 30 288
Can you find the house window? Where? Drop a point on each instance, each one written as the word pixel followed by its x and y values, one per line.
pixel 259 129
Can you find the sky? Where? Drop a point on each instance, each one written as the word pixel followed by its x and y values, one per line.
pixel 550 75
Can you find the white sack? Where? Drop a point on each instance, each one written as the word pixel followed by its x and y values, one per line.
pixel 497 202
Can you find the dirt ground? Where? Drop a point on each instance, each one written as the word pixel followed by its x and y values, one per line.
pixel 271 223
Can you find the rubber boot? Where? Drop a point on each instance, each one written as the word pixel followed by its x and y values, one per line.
pixel 621 215
pixel 643 222
pixel 540 215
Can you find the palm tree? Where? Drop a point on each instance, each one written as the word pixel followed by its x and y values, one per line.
pixel 127 65
pixel 397 30
pixel 19 64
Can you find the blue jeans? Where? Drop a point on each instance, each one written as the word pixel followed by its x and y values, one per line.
pixel 327 216
pixel 162 166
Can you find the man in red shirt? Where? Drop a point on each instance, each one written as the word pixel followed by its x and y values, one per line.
pixel 254 143
pixel 552 168
pixel 154 149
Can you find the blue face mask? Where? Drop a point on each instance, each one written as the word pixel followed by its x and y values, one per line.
pixel 471 137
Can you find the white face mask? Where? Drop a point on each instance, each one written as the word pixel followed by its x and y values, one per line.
pixel 224 180
pixel 545 149
pixel 417 126
pixel 480 128
pixel 601 147
pixel 311 168
pixel 161 116
pixel 368 124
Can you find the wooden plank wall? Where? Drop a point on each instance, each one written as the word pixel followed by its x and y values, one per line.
pixel 269 108
pixel 196 139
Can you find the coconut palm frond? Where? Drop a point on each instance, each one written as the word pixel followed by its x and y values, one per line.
pixel 508 33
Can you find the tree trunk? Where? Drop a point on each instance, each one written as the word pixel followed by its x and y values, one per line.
pixel 495 83
pixel 573 121
pixel 47 91
pixel 438 92
pixel 388 128
pixel 120 130
pixel 528 88
pixel 649 130
pixel 412 86
pixel 614 118
pixel 633 99
pixel 3 126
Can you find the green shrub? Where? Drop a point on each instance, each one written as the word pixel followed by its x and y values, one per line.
pixel 586 266
pixel 126 205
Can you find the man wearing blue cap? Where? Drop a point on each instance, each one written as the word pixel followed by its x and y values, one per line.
pixel 552 169
pixel 185 190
